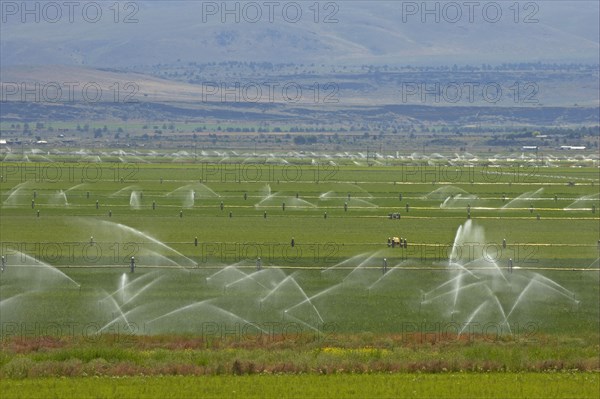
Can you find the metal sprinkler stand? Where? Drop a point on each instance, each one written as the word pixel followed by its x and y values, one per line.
pixel 132 265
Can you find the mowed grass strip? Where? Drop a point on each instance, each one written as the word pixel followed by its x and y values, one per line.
pixel 455 385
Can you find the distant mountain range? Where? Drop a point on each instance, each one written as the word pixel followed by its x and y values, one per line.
pixel 336 32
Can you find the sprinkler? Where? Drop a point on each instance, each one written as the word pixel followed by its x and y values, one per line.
pixel 195 241
pixel 3 265
pixel 510 265
pixel 97 204
pixel 38 213
pixel 245 196
pixel 230 214
pixel 407 207
pixel 345 207
pixel 293 242
pixel 87 194
pixel 283 206
pixel 132 265
pixel 325 215
pixel 400 197
pixel 265 215
pixel 385 265
pixel 221 206
pixel 109 213
pixel 258 263
pixel 180 214
pixel 32 204
pixel 296 195
pixel 153 205
pixel 504 243
pixel 35 194
pixel 92 240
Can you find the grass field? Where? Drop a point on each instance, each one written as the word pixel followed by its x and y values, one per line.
pixel 453 385
pixel 340 300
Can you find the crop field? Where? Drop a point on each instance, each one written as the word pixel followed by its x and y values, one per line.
pixel 168 264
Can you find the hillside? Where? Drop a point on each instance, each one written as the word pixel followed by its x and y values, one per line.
pixel 345 32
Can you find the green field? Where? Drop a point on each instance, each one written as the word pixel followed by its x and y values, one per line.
pixel 463 385
pixel 196 228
